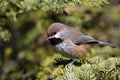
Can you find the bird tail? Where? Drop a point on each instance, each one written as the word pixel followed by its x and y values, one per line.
pixel 102 43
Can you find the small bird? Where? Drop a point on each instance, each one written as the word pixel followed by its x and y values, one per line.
pixel 70 42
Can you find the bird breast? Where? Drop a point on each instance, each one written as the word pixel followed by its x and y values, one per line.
pixel 68 49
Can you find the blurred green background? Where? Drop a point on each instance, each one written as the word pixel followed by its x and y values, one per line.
pixel 24 54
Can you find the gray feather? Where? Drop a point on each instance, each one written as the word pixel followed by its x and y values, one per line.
pixel 80 38
pixel 76 36
pixel 101 43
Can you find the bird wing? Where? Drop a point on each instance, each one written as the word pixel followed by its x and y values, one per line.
pixel 79 37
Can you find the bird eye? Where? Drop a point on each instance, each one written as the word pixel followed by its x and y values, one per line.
pixel 51 34
pixel 54 33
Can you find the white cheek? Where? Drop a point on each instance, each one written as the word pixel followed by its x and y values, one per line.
pixel 57 35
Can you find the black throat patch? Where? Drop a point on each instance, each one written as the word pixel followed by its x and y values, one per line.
pixel 55 41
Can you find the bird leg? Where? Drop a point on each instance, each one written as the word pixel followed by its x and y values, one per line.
pixel 69 64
